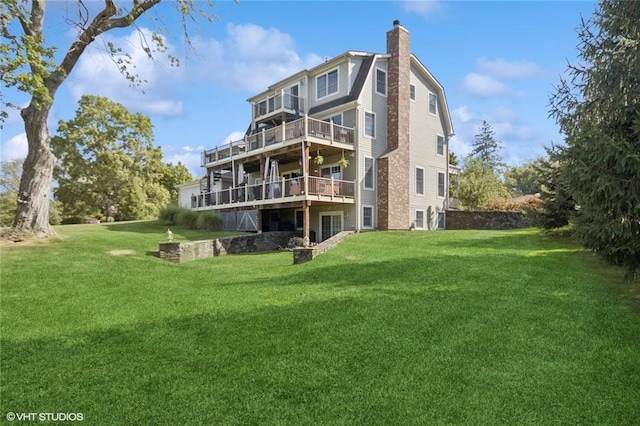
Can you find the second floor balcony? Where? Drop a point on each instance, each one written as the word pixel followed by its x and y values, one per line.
pixel 305 128
pixel 279 191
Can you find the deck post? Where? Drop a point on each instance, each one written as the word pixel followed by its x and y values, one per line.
pixel 305 227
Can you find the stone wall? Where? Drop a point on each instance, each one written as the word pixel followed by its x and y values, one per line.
pixel 306 254
pixel 185 251
pixel 457 219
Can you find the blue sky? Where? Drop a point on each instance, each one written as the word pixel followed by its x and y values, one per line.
pixel 498 61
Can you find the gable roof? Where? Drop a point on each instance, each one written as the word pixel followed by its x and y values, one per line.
pixel 441 95
pixel 356 89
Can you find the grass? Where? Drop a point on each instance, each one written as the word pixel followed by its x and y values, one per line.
pixel 455 327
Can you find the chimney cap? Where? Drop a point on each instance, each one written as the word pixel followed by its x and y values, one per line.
pixel 396 23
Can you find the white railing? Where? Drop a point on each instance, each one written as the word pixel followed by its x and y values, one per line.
pixel 303 127
pixel 279 191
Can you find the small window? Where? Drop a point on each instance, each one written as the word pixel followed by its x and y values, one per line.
pixel 433 103
pixel 368 172
pixel 441 184
pixel 441 220
pixel 440 145
pixel 419 219
pixel 381 82
pixel 412 92
pixel 419 181
pixel 326 84
pixel 367 217
pixel 370 124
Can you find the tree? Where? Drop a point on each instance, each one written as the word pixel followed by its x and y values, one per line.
pixel 598 110
pixel 9 186
pixel 478 184
pixel 486 147
pixel 558 207
pixel 523 179
pixel 28 64
pixel 107 161
pixel 173 176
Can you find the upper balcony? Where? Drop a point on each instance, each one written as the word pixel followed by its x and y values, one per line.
pixel 306 128
pixel 282 102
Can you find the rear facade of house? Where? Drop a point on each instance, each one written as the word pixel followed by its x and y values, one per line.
pixel 360 142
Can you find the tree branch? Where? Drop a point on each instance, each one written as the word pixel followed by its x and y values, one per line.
pixel 102 23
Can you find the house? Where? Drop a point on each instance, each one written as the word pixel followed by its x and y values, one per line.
pixel 359 142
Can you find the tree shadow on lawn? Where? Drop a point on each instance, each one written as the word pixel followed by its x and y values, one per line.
pixel 357 361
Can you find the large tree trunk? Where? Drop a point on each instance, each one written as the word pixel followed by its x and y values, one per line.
pixel 32 214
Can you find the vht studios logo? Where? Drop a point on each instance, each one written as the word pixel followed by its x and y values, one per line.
pixel 46 417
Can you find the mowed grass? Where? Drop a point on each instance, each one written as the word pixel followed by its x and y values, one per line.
pixel 390 328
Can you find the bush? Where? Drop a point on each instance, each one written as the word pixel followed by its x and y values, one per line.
pixel 73 220
pixel 187 218
pixel 528 204
pixel 169 215
pixel 210 221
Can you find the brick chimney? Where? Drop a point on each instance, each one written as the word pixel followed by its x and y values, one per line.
pixel 393 167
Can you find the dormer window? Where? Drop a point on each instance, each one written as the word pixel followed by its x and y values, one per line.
pixel 327 84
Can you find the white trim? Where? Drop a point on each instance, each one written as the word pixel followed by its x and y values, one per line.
pixel 444 185
pixel 429 103
pixel 326 74
pixel 415 218
pixel 443 144
pixel 331 213
pixel 365 124
pixel 372 226
pixel 415 178
pixel 373 174
pixel 386 80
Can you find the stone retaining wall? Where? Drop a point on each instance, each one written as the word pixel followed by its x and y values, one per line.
pixel 306 254
pixel 185 251
pixel 457 219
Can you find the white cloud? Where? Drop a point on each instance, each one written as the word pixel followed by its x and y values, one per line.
pixel 14 148
pixel 97 73
pixel 250 58
pixel 462 114
pixel 501 68
pixel 189 156
pixel 485 86
pixel 424 8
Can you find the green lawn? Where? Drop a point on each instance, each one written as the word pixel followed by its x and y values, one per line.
pixel 397 328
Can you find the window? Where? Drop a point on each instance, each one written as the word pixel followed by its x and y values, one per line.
pixel 331 172
pixel 337 119
pixel 441 184
pixel 412 92
pixel 419 181
pixel 370 124
pixel 327 84
pixel 381 82
pixel 367 217
pixel 441 223
pixel 419 219
pixel 433 103
pixel 368 172
pixel 440 145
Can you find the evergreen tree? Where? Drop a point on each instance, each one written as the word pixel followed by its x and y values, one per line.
pixel 486 147
pixel 598 110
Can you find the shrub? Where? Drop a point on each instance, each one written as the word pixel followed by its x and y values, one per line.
pixel 528 204
pixel 210 221
pixel 73 220
pixel 187 218
pixel 169 215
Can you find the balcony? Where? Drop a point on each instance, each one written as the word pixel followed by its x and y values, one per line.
pixel 279 103
pixel 284 190
pixel 306 128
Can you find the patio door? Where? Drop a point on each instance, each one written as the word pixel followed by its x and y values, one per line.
pixel 330 224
